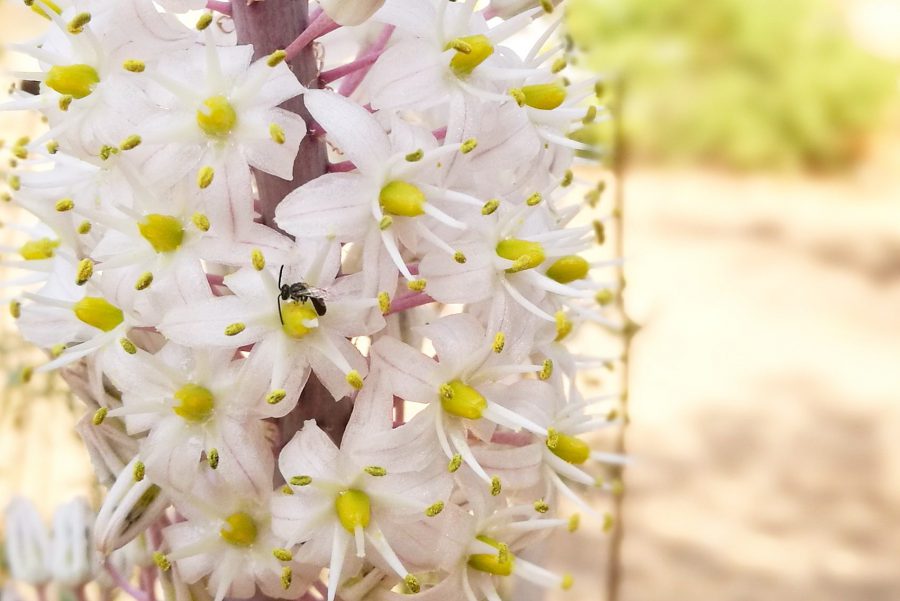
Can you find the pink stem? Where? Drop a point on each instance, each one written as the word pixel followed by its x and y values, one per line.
pixel 148 582
pixel 219 7
pixel 341 167
pixel 316 29
pixel 338 72
pixel 416 299
pixel 315 13
pixel 124 584
pixel 352 82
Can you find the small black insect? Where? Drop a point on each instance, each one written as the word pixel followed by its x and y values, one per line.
pixel 300 292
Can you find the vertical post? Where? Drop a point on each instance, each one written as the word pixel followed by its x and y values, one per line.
pixel 620 159
pixel 271 25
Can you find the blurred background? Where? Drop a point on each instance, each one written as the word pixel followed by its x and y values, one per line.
pixel 759 164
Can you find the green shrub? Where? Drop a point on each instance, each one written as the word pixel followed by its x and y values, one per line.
pixel 745 83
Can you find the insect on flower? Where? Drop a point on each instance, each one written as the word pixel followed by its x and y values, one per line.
pixel 300 292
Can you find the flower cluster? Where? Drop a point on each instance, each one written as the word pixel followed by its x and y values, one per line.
pixel 429 277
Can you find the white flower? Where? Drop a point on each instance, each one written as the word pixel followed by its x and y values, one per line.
pixel 288 337
pixel 350 12
pixel 27 543
pixel 228 536
pixel 131 505
pixel 217 106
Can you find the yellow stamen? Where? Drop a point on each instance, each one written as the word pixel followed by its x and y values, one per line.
pixel 355 379
pixel 384 302
pixel 524 253
pixel 258 260
pixel 15 309
pixel 64 204
pixel 204 21
pixel 143 282
pixel 99 313
pixel 76 25
pixel 276 58
pixel 276 396
pixel 128 346
pixel 84 227
pixel 134 65
pixel 76 81
pixel 205 177
pixel 139 471
pixel 568 269
pixel 161 561
pixel 545 96
pixel 461 400
pixel 416 156
pixel 468 146
pixel 563 325
pixel 568 448
pixel 455 463
pixel 200 221
pixel 130 142
pixel 499 342
pixel 99 416
pixel 301 481
pixel 276 133
pixel 434 509
pixel 496 487
pixel 212 458
pixel 490 207
pixel 283 554
pixel 84 272
pixel 37 250
pixel 459 257
pixel 479 49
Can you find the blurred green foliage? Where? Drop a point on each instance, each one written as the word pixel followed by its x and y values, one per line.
pixel 744 83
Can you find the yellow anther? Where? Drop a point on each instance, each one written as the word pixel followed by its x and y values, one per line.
pixel 139 471
pixel 567 580
pixel 76 25
pixel 384 302
pixel 204 21
pixel 301 481
pixel 617 487
pixel 471 51
pixel 386 222
pixel 547 5
pixel 5 197
pixel 134 65
pixel 52 146
pixel 99 313
pixel 503 554
pixel 599 232
pixel 299 319
pixel 212 458
pixel 287 490
pixel 99 416
pixel 412 583
pixel 107 151
pixel 143 282
pixel 14 182
pixel 417 285
pixel 599 89
pixel 534 200
pixel 276 133
pixel 499 564
pixel 287 576
pixel 545 96
pixel 216 117
pixel 57 349
pixel 276 58
pixel 416 156
pixel 558 65
pixel 525 254
pixel 200 221
pixel 84 227
pixel 128 346
pixel 205 176
pixel 84 272
pixel 195 403
pixel 461 400
pixel 161 561
pixel 490 206
pixel 239 529
pixel 130 142
pixel 563 325
pixel 608 522
pixel 496 488
pixel 434 509
pixel 574 522
pixel 38 250
pixel 468 146
pixel 276 396
pixel 257 259
pixel 455 463
pixel 541 506
pixel 23 141
pixel 15 309
pixel 64 204
pixel 234 329
pixel 20 152
pixel 353 509
pixel 518 96
pixel 604 297
pixel 164 232
pixel 499 342
pixel 283 554
pixel 402 199
pixel 76 81
pixel 65 102
pixel 568 448
pixel 27 373
pixel 354 379
pixel 546 370
pixel 459 257
pixel 590 115
pixel 39 9
pixel 376 471
pixel 568 269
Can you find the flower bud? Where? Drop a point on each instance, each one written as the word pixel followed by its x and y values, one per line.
pixel 350 12
pixel 27 543
pixel 72 555
pixel 129 509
